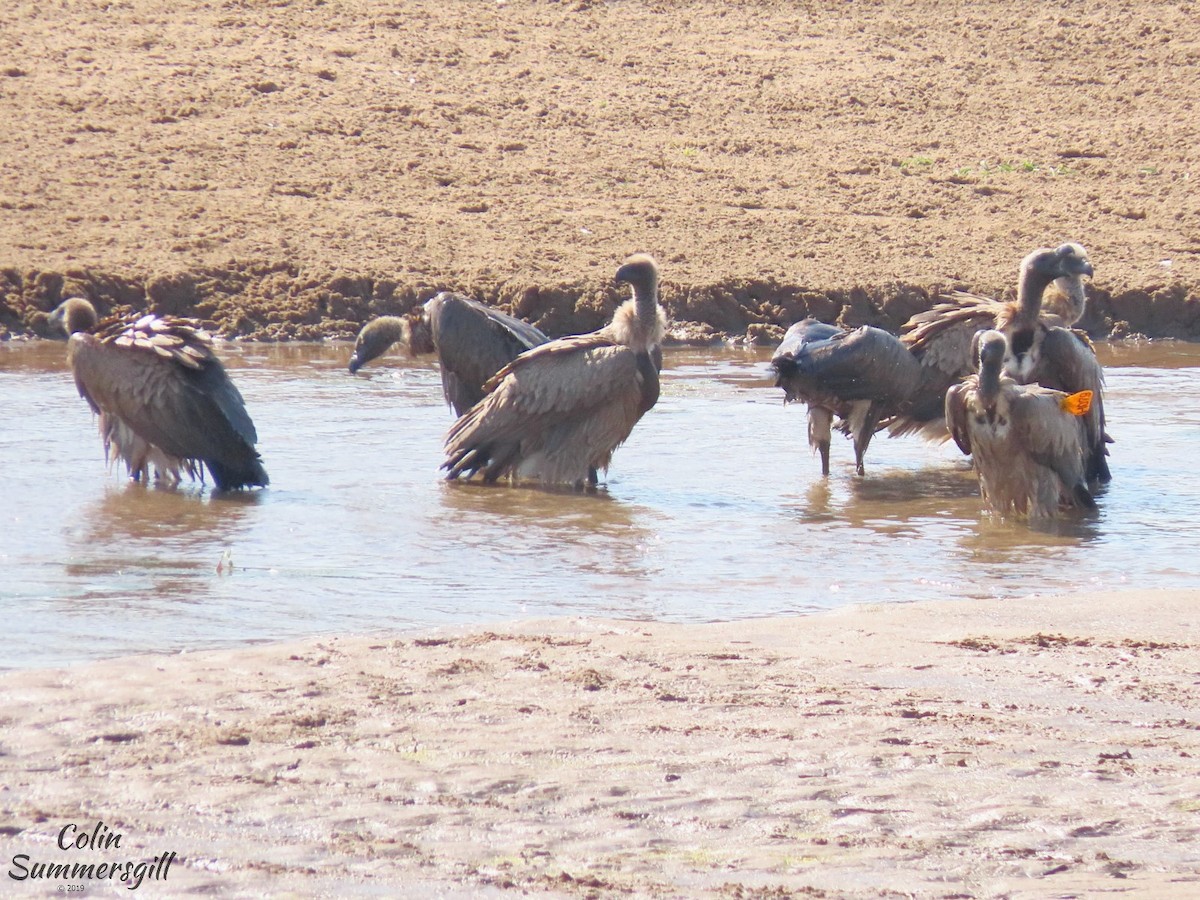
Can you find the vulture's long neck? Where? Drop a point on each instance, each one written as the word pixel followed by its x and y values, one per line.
pixel 1029 294
pixel 389 328
pixel 989 379
pixel 639 323
pixel 645 299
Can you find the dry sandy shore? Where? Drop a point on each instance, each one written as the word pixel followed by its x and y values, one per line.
pixel 1021 748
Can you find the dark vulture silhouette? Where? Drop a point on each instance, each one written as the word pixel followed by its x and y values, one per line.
pixel 860 376
pixel 163 398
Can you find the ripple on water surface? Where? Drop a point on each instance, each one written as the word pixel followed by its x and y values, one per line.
pixel 714 510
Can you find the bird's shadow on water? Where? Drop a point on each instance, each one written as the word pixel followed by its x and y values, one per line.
pixel 899 494
pixel 929 483
pixel 945 498
pixel 547 534
pixel 150 548
pixel 553 508
pixel 168 522
pixel 1001 534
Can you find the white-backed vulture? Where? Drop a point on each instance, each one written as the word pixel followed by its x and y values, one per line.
pixel 1065 298
pixel 472 341
pixel 1027 442
pixel 1042 349
pixel 557 412
pixel 859 376
pixel 163 397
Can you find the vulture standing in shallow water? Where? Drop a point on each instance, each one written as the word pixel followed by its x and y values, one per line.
pixel 556 413
pixel 473 342
pixel 1041 349
pixel 163 397
pixel 858 376
pixel 1026 441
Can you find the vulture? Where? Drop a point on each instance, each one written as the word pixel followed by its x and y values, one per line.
pixel 1066 298
pixel 473 342
pixel 859 376
pixel 1027 442
pixel 163 397
pixel 1042 348
pixel 556 413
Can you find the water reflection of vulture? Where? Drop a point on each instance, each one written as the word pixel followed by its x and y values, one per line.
pixel 472 341
pixel 556 413
pixel 163 397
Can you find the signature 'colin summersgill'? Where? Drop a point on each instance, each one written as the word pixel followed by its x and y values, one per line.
pixel 100 837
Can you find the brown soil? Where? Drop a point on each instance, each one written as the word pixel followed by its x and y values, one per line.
pixel 288 170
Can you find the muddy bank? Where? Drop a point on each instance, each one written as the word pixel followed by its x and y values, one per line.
pixel 284 302
pixel 778 158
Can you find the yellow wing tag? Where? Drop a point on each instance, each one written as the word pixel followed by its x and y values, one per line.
pixel 1077 404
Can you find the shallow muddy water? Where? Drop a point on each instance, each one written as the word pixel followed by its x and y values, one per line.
pixel 714 510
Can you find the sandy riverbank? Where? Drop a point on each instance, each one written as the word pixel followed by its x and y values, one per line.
pixel 1020 748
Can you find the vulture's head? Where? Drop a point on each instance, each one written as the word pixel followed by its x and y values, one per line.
pixel 72 315
pixel 1066 261
pixel 377 336
pixel 990 347
pixel 640 271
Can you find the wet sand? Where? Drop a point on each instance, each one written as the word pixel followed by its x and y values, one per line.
pixel 1017 748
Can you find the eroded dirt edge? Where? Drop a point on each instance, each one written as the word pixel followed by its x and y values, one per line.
pixel 283 302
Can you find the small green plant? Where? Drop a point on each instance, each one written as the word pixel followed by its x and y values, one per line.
pixel 987 167
pixel 916 162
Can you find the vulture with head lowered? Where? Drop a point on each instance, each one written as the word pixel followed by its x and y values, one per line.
pixel 860 376
pixel 164 400
pixel 472 342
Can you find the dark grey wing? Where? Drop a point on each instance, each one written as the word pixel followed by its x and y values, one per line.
pixel 189 411
pixel 213 400
pixel 958 416
pixel 865 364
pixel 806 331
pixel 791 357
pixel 474 342
pixel 1068 363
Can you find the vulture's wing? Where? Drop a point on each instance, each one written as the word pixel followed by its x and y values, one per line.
pixel 1068 363
pixel 582 389
pixel 958 413
pixel 474 342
